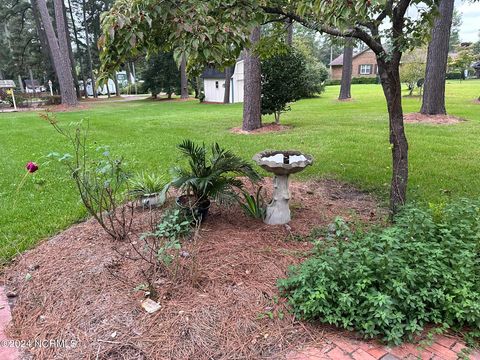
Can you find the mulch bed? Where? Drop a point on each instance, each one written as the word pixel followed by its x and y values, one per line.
pixel 418 118
pixel 79 287
pixel 266 128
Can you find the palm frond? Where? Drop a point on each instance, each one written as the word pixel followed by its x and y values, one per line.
pixel 215 176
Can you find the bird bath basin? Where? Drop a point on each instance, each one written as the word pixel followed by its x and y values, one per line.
pixel 281 164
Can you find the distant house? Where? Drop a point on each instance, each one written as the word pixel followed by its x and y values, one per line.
pixel 214 84
pixel 364 64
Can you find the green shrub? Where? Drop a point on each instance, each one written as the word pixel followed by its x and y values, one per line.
pixel 454 76
pixel 390 283
pixel 20 98
pixel 355 80
pixel 52 100
pixel 283 82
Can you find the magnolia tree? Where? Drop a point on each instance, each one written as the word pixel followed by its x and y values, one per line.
pixel 216 31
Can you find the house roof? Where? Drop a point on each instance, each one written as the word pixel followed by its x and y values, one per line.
pixel 339 60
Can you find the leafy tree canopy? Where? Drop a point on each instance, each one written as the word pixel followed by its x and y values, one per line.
pixel 212 31
pixel 216 31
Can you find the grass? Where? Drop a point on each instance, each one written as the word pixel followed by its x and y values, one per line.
pixel 349 141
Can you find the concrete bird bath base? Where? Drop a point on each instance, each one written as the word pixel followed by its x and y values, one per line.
pixel 281 164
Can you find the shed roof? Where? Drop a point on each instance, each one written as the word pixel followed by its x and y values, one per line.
pixel 213 73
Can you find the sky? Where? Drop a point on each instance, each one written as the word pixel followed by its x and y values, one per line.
pixel 470 20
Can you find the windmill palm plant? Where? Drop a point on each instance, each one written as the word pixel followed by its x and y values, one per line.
pixel 210 175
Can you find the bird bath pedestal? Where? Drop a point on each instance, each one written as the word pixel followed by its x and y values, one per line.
pixel 281 164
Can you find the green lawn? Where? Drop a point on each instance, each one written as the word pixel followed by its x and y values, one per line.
pixel 349 141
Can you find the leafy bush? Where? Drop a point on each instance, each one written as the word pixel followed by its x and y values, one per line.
pixel 283 79
pixel 161 249
pixel 412 75
pixel 355 80
pixel 392 282
pixel 316 72
pixel 52 100
pixel 99 177
pixel 454 76
pixel 5 96
pixel 20 98
pixel 314 83
pixel 174 226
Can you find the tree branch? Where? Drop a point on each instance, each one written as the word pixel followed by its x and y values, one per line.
pixel 385 12
pixel 355 32
pixel 275 20
pixel 398 20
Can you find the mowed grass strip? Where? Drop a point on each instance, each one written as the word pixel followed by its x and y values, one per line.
pixel 349 141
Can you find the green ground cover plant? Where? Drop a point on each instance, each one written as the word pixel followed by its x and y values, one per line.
pixel 392 282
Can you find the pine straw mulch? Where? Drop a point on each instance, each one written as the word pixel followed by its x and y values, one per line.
pixel 266 128
pixel 419 118
pixel 81 288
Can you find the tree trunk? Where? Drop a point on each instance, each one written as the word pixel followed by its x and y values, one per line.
pixel 289 28
pixel 183 78
pixel 89 51
pixel 70 52
pixel 199 85
pixel 252 102
pixel 346 82
pixel 117 87
pixel 63 44
pixel 390 78
pixel 59 56
pixel 434 87
pixel 277 117
pixel 228 80
pixel 44 46
pixel 77 42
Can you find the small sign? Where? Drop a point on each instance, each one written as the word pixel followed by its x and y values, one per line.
pixel 7 84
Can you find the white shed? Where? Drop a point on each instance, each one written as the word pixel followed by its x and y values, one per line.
pixel 214 84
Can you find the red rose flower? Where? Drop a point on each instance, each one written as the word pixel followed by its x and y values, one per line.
pixel 32 167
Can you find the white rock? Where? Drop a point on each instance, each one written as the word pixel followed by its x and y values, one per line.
pixel 150 306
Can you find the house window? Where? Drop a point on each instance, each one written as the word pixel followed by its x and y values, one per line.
pixel 216 84
pixel 365 69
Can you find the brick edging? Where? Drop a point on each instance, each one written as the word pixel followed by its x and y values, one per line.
pixel 6 352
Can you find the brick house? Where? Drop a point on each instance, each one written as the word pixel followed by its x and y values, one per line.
pixel 364 64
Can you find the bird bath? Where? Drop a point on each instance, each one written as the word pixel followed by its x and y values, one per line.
pixel 281 164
